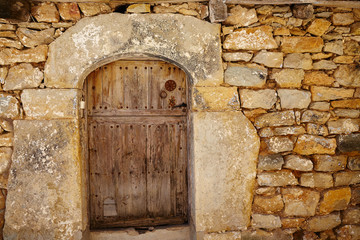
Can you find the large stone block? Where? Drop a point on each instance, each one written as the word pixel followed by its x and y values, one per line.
pixel 298 60
pixel 293 98
pixel 325 93
pixel 23 76
pixel 334 200
pixel 300 202
pixel 223 180
pixel 309 144
pixel 191 43
pixel 44 192
pixel 215 98
pixel 243 76
pixel 302 44
pixel 11 55
pixel 223 236
pixel 343 126
pixel 257 98
pixel 45 12
pixel 316 180
pixel 318 27
pixel 51 103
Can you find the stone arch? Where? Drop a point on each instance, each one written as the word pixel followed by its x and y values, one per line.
pixel 223 143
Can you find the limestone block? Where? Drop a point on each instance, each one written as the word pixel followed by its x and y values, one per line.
pixel 292 98
pixel 348 103
pixel 351 216
pixel 334 47
pixel 302 44
pixel 321 106
pixel 319 56
pixel 268 205
pixel 6 139
pixel 282 31
pixel 303 11
pixel 51 103
pixel 335 200
pixel 355 28
pixel 298 163
pixel 47 165
pixel 348 232
pixel 69 11
pixel 45 12
pixel 324 65
pixel 241 16
pixel 349 143
pixel 10 27
pixel 270 162
pixel 11 55
pixel 215 98
pixel 292 222
pixel 258 98
pixel 257 38
pixel 31 38
pixel 243 76
pixel 23 76
pixel 309 144
pixel 269 59
pixel 237 56
pixel 286 118
pixel 279 144
pixel 316 180
pixel 277 178
pixel 192 43
pixel 91 9
pixel 328 163
pixel 354 163
pixel 300 202
pixel 346 178
pixel 218 205
pixel 4 42
pixel 347 113
pixel 344 59
pixel 265 221
pixel 289 78
pixel 294 130
pixel 318 27
pixel 315 117
pixel 352 48
pixel 325 93
pixel 138 8
pixel 9 106
pixel 348 75
pixel 5 159
pixel 323 223
pixel 298 60
pixel 342 19
pixel 343 126
pixel 318 78
pixel 223 236
pixel 3 74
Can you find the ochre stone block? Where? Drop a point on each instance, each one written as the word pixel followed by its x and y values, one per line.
pixel 302 44
pixel 309 144
pixel 334 200
pixel 215 98
pixel 69 11
pixel 300 201
pixel 318 78
pixel 268 205
pixel 11 55
pixel 45 12
pixel 347 103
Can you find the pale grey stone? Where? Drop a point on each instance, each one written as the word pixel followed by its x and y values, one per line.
pixel 279 144
pixel 315 117
pixel 298 60
pixel 23 76
pixel 240 16
pixel 9 106
pixel 269 59
pixel 276 179
pixel 245 76
pixel 324 64
pixel 265 221
pixel 285 118
pixel 321 106
pixel 316 180
pixel 348 113
pixel 334 47
pixel 288 78
pixel 315 129
pixel 298 163
pixel 237 56
pixel 343 126
pixel 300 202
pixel 257 98
pixel 270 162
pixel 323 223
pixel 292 98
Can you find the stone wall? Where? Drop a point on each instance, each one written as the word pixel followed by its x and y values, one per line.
pixel 295 70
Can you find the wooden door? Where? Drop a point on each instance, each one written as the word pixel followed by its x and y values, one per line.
pixel 137 144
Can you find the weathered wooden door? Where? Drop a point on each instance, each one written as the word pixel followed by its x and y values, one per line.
pixel 137 144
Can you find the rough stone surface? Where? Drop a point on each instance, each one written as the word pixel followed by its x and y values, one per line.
pixel 10 56
pixel 315 117
pixel 346 178
pixel 265 221
pixel 355 29
pixel 5 159
pixel 328 163
pixel 69 11
pixel 223 236
pixel 4 42
pixel 257 38
pixel 325 65
pixel 91 9
pixel 303 11
pixel 3 74
pixel 309 144
pixel 321 106
pixel 279 144
pixel 348 113
pixel 354 163
pixel 50 103
pixel 139 8
pixel 278 178
pixel 289 78
pixel 355 195
pixel 259 234
pixel 6 139
pixel 334 200
pixel 291 98
pixel 269 59
pixel 275 119
pixel 268 205
pixel 219 172
pixel 343 126
pixel 295 130
pixel 270 162
pixel 298 60
pixel 23 76
pixel 45 12
pixel 245 76
pixel 45 168
pixel 316 180
pixel 323 223
pixel 342 19
pixel 348 75
pixel 348 232
pixel 319 56
pixel 31 38
pixel 192 43
pixel 349 143
pixel 266 191
pixel 351 216
pixel 241 16
pixel 300 202
pixel 334 47
pixel 302 44
pixel 237 56
pixel 215 98
pixel 318 27
pixel 9 106
pixel 319 93
pixel 298 163
pixel 292 222
pixel 257 98
pixel 348 103
pixel 352 48
pixel 6 125
pixel 344 59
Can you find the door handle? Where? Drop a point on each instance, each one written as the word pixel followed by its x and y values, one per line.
pixel 180 105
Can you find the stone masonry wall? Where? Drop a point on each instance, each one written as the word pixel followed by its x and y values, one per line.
pixel 297 73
